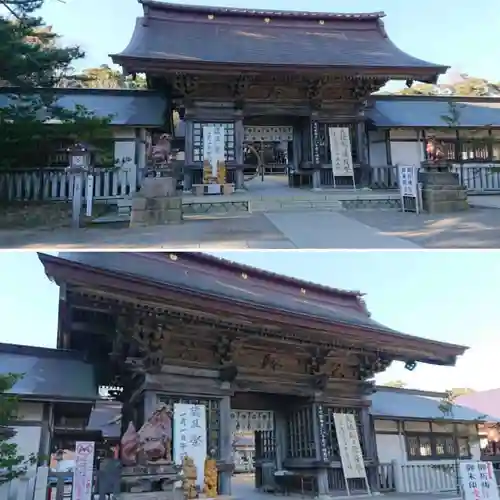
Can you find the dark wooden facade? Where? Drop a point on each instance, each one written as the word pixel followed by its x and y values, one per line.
pixel 193 328
pixel 268 69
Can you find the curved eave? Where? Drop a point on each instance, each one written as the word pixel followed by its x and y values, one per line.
pixel 134 64
pixel 409 348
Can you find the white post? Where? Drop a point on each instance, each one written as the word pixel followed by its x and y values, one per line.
pixel 398 476
pixel 41 483
pixel 89 194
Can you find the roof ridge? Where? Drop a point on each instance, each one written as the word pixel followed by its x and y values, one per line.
pixel 264 273
pixel 356 16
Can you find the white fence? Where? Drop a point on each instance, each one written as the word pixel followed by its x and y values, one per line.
pixel 432 477
pixel 32 486
pixel 56 184
pixel 476 177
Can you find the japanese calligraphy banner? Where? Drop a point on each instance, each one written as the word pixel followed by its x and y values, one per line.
pixel 409 187
pixel 214 145
pixel 341 153
pixel 478 481
pixel 408 181
pixel 351 455
pixel 190 436
pixel 84 466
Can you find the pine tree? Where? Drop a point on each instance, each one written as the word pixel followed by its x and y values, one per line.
pixel 32 63
pixel 12 463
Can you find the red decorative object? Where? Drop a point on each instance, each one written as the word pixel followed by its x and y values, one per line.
pixel 129 445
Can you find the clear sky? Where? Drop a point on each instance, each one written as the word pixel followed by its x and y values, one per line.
pixel 448 296
pixel 457 33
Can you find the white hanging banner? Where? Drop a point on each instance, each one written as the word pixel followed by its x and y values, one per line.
pixel 84 467
pixel 478 482
pixel 190 437
pixel 214 145
pixel 408 186
pixel 351 455
pixel 219 155
pixel 341 153
pixel 208 147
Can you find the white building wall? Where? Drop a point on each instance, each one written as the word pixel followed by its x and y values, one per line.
pixel 28 437
pixel 125 153
pixel 377 146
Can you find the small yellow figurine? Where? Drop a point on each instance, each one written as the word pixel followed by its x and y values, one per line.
pixel 189 480
pixel 210 487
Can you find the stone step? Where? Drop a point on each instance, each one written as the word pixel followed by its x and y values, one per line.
pixel 295 205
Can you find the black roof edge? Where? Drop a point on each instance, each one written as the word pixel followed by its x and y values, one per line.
pixel 86 91
pixel 45 352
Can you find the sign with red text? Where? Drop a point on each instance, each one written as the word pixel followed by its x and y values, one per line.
pixel 84 467
pixel 478 482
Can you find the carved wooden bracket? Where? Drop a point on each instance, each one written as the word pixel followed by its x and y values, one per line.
pixel 185 83
pixel 225 349
pixel 270 361
pixel 363 87
pixel 240 86
pixel 317 361
pixel 152 339
pixel 371 365
pixel 314 93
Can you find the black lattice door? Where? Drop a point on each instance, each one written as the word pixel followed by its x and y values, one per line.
pixel 265 457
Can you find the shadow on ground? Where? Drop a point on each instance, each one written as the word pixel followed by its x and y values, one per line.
pixel 476 228
pixel 254 231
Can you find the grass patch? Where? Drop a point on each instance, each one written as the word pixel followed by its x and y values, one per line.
pixel 42 215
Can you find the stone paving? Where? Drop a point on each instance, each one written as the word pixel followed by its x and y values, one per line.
pixel 243 489
pixel 254 231
pixel 477 228
pixel 351 229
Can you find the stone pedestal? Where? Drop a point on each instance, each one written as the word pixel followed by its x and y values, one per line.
pixel 156 203
pixel 151 482
pixel 442 192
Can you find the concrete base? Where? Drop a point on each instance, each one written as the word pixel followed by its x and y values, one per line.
pixel 156 203
pixel 442 192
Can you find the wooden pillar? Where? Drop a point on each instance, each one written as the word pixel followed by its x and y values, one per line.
pixel 280 430
pixel 362 150
pixel 320 446
pixel 46 433
pixel 239 138
pixel 226 446
pixel 188 153
pixel 370 443
pixel 388 152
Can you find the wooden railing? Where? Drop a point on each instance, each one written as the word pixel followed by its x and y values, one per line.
pixel 429 477
pixel 56 184
pixel 476 177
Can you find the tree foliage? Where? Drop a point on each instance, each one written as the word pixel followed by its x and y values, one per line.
pixel 12 463
pixel 396 383
pixel 105 77
pixel 464 85
pixel 32 65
